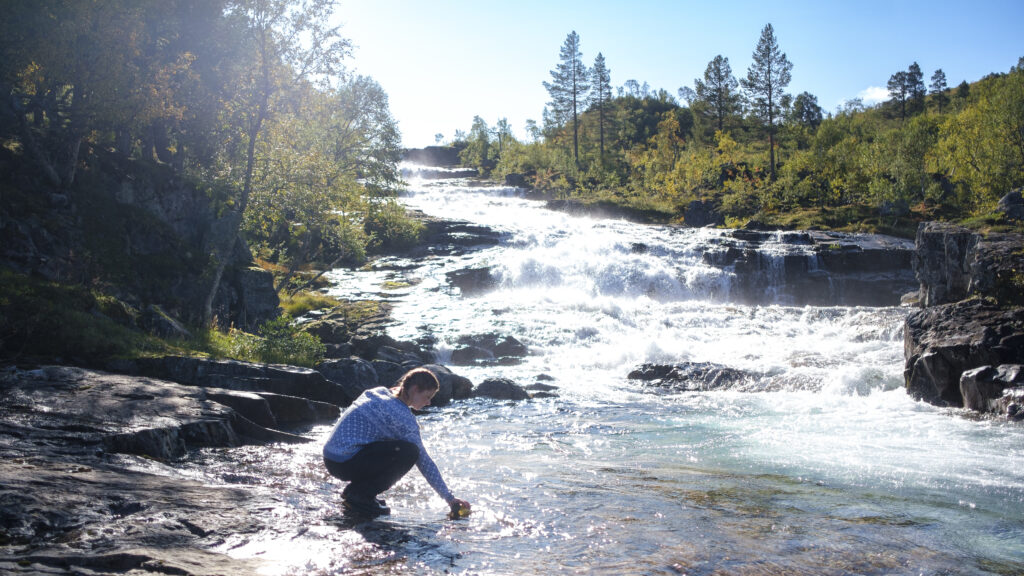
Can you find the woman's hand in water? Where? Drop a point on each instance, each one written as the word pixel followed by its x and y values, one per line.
pixel 459 508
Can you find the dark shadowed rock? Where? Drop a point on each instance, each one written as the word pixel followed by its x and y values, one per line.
pixel 472 281
pixel 354 374
pixel 470 355
pixel 982 386
pixel 500 389
pixel 943 342
pixel 700 213
pixel 1012 205
pixel 689 376
pixel 437 156
pixel 246 376
pixel 57 405
pixel 452 386
pixel 491 348
pixel 388 373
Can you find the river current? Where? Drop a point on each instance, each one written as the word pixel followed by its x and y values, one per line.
pixel 820 465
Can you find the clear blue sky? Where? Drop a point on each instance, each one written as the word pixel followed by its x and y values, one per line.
pixel 444 61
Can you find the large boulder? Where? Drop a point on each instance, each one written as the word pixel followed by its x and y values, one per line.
pixel 941 343
pixel 953 263
pixel 1012 205
pixel 983 387
pixel 500 389
pixel 453 386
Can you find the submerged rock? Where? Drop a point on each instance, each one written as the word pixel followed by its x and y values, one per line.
pixel 690 376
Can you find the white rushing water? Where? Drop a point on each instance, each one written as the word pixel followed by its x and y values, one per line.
pixel 819 464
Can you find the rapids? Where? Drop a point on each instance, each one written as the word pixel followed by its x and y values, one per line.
pixel 823 465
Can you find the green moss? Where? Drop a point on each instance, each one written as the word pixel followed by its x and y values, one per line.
pixel 296 305
pixel 393 285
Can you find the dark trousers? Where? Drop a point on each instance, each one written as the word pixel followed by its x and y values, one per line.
pixel 375 468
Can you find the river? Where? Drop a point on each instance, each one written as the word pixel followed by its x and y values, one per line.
pixel 821 464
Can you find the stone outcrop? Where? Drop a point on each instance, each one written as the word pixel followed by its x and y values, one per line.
pixel 62 407
pixel 962 346
pixel 689 376
pixel 814 268
pixel 145 229
pixel 243 376
pixel 701 213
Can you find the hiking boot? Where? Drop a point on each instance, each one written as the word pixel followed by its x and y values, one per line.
pixel 363 505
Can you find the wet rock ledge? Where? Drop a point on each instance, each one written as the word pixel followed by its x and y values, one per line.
pixel 965 346
pixel 78 452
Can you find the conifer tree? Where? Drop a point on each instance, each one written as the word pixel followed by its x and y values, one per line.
pixel 899 90
pixel 938 89
pixel 601 95
pixel 568 88
pixel 719 90
pixel 915 87
pixel 766 81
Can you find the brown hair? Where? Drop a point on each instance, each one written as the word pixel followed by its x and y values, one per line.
pixel 418 378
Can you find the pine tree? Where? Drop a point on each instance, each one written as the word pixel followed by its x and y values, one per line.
pixel 938 89
pixel 899 90
pixel 915 87
pixel 568 88
pixel 766 79
pixel 601 95
pixel 719 90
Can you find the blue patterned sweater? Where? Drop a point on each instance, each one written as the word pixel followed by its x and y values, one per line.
pixel 379 415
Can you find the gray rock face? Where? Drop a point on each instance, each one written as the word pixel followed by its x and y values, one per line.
pixel 245 376
pixel 488 349
pixel 89 517
pixel 57 405
pixel 84 490
pixel 943 342
pixel 954 345
pixel 942 262
pixel 815 268
pixel 982 388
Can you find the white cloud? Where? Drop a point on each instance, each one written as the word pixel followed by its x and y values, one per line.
pixel 873 95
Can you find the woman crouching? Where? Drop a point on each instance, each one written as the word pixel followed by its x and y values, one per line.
pixel 377 440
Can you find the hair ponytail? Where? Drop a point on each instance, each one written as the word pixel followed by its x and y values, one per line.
pixel 420 378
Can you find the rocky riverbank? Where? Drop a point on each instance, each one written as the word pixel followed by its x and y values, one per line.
pixel 965 346
pixel 89 459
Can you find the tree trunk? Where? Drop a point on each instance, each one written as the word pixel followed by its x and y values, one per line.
pixel 223 247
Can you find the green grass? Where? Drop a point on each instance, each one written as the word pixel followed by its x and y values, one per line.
pixel 296 305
